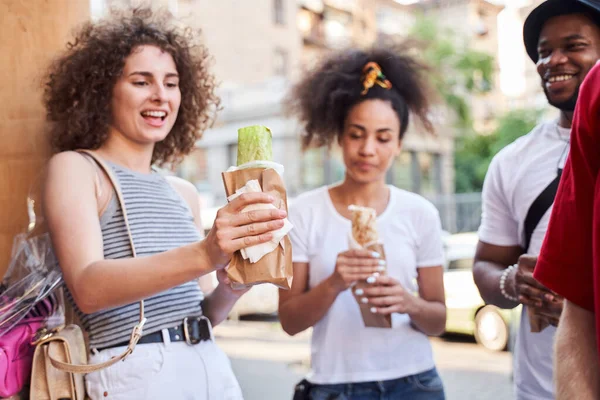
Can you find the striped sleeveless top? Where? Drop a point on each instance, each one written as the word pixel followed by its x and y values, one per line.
pixel 160 220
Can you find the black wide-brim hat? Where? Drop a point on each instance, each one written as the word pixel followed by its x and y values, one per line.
pixel 553 8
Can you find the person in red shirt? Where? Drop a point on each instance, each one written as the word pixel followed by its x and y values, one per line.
pixel 569 264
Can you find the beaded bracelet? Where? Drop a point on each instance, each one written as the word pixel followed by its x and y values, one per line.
pixel 503 282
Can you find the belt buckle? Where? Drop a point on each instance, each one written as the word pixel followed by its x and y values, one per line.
pixel 186 330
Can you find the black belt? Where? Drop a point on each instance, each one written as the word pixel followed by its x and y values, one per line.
pixel 193 330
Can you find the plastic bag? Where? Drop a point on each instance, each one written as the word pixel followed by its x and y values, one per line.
pixel 32 275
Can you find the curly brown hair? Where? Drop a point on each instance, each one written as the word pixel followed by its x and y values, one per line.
pixel 78 88
pixel 322 99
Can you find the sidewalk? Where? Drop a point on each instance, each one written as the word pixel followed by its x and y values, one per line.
pixel 268 363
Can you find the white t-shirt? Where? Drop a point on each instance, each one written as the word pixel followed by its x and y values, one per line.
pixel 343 349
pixel 516 177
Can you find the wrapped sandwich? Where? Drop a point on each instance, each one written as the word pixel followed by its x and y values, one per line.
pixel 364 235
pixel 269 262
pixel 364 225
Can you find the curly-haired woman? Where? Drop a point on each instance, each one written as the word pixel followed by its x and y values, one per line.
pixel 362 100
pixel 135 88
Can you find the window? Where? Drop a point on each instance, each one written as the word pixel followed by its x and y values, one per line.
pixel 415 172
pixel 400 175
pixel 280 62
pixel 232 149
pixel 430 173
pixel 337 28
pixel 335 169
pixel 313 168
pixel 392 22
pixel 278 12
pixel 311 26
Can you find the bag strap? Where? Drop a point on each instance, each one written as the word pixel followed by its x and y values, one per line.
pixel 539 207
pixel 136 334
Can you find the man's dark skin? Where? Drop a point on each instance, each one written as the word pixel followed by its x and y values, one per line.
pixel 568 45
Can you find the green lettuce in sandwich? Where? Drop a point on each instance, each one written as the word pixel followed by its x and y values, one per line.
pixel 254 144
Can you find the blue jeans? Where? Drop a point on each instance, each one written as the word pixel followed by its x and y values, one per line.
pixel 423 386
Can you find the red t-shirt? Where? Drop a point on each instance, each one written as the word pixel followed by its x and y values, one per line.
pixel 569 263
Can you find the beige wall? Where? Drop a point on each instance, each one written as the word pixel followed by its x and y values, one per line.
pixel 242 36
pixel 36 33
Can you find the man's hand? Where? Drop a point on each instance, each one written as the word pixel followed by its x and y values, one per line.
pixel 551 309
pixel 533 294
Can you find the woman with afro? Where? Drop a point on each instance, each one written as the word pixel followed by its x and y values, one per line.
pixel 363 101
pixel 135 89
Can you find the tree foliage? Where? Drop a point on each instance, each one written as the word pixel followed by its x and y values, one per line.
pixel 458 71
pixel 474 152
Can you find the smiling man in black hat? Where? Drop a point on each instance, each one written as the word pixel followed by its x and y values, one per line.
pixel 562 37
pixel 566 25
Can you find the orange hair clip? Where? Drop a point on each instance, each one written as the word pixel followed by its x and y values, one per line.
pixel 372 75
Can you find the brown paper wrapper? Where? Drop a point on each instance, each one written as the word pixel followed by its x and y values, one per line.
pixel 372 320
pixel 537 322
pixel 275 267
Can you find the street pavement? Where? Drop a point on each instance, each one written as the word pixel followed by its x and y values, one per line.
pixel 268 363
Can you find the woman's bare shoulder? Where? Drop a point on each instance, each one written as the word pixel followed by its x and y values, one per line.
pixel 69 163
pixel 70 170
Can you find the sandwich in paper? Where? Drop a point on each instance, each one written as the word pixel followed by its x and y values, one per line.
pixel 269 262
pixel 364 235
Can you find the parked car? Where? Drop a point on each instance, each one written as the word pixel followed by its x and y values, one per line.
pixel 467 313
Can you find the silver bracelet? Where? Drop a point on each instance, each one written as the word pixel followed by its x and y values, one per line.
pixel 503 282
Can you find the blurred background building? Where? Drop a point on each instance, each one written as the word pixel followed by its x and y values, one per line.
pixel 261 46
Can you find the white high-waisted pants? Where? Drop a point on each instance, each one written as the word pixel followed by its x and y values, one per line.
pixel 169 370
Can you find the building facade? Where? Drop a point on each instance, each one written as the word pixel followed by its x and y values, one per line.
pixel 249 41
pixel 473 23
pixel 260 47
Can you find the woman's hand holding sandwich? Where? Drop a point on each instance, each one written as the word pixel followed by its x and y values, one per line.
pixel 234 230
pixel 388 296
pixel 354 265
pixel 427 311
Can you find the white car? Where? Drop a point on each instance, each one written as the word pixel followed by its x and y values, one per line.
pixel 467 313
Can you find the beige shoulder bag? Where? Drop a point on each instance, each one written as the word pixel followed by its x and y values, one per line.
pixel 60 358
